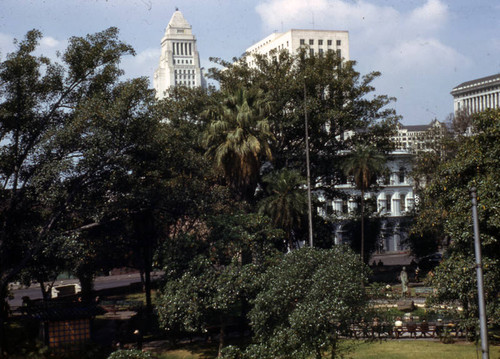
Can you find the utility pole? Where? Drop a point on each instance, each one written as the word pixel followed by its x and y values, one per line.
pixel 479 272
pixel 309 205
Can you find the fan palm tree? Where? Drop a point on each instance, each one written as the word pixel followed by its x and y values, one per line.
pixel 364 163
pixel 238 138
pixel 286 203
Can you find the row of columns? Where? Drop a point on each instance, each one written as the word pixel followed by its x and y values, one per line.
pixel 482 102
pixel 395 204
pixel 390 240
pixel 182 48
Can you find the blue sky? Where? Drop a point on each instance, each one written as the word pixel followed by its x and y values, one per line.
pixel 423 48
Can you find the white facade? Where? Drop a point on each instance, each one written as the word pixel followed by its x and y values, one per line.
pixel 316 41
pixel 477 95
pixel 179 60
pixel 416 138
pixel 394 200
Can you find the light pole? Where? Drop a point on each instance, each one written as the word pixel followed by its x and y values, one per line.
pixel 479 273
pixel 309 206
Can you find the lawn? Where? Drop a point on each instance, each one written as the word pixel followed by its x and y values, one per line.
pixel 409 349
pixel 391 349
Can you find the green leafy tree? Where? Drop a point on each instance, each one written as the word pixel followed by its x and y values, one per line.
pixel 238 138
pixel 338 101
pixel 209 278
pixel 304 302
pixel 41 166
pixel 448 207
pixel 364 164
pixel 286 203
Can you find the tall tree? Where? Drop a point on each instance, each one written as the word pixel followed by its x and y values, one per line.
pixel 238 138
pixel 286 202
pixel 364 164
pixel 43 138
pixel 339 101
pixel 448 207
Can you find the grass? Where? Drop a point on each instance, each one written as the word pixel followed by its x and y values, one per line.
pixel 391 349
pixel 419 350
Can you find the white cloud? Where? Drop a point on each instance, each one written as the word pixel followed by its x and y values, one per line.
pixel 145 62
pixel 49 42
pixel 423 54
pixel 433 14
pixel 405 45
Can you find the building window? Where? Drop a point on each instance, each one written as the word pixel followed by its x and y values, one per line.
pixel 302 41
pixel 329 42
pixel 339 42
pixel 311 41
pixel 388 203
pixel 320 42
pixel 401 175
pixel 320 52
pixel 402 202
pixel 339 53
pixel 311 52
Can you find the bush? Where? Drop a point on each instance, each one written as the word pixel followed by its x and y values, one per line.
pixel 130 354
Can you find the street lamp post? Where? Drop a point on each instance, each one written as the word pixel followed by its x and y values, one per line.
pixel 309 205
pixel 479 273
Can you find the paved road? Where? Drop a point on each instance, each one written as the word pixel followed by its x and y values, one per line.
pixel 112 281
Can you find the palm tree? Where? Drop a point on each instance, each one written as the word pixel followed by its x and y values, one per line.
pixel 364 163
pixel 238 138
pixel 286 203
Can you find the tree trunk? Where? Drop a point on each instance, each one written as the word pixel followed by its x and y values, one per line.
pixel 221 336
pixel 3 318
pixel 363 226
pixel 86 282
pixel 147 289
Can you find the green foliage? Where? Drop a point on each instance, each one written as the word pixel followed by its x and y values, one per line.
pixel 305 299
pixel 286 201
pixel 338 99
pixel 210 277
pixel 446 207
pixel 130 354
pixel 238 138
pixel 66 131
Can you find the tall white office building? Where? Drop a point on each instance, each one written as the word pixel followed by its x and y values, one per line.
pixel 314 41
pixel 477 95
pixel 179 59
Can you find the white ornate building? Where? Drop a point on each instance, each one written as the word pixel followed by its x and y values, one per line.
pixel 395 197
pixel 477 95
pixel 315 41
pixel 179 60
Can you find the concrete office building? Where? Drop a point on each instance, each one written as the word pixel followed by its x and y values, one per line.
pixel 179 60
pixel 477 95
pixel 315 41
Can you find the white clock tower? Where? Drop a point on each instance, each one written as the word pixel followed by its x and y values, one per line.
pixel 179 59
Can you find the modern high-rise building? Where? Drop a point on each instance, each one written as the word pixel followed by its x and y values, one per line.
pixel 477 95
pixel 314 41
pixel 179 59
